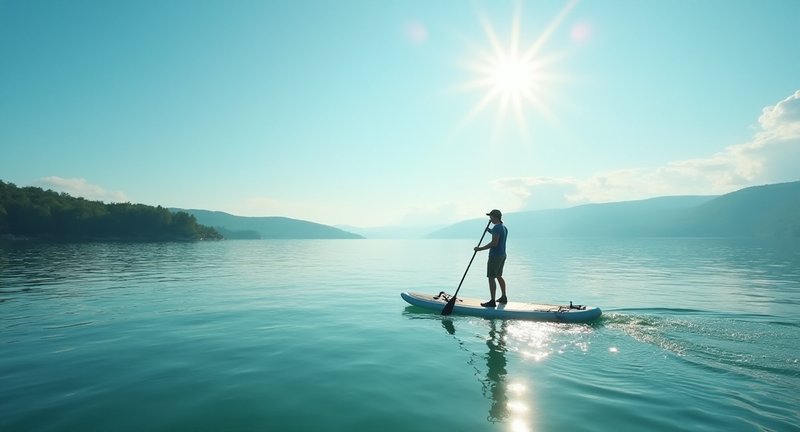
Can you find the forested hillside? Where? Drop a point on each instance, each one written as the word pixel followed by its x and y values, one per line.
pixel 34 213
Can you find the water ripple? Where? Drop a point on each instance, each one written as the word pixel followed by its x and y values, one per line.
pixel 252 335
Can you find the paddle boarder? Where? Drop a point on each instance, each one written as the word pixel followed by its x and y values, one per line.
pixel 497 257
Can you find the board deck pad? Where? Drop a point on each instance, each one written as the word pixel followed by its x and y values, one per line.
pixel 510 310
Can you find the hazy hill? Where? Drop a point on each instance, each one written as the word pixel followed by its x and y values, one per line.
pixel 762 211
pixel 272 227
pixel 392 232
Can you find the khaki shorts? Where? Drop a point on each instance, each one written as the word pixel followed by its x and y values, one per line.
pixel 494 267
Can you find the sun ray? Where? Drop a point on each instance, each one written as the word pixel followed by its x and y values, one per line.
pixel 486 101
pixel 497 47
pixel 548 32
pixel 515 30
pixel 519 113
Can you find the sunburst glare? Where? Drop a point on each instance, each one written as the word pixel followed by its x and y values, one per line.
pixel 513 79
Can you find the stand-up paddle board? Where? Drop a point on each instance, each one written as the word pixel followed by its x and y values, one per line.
pixel 510 310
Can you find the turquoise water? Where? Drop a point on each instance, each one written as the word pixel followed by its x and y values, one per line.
pixel 301 335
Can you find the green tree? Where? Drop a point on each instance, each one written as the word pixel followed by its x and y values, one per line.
pixel 33 212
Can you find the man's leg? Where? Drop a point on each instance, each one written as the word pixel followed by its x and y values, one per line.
pixel 502 286
pixel 491 273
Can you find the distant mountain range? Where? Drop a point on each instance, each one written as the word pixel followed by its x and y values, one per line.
pixel 393 232
pixel 760 211
pixel 272 227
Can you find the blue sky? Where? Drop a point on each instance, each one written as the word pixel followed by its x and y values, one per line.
pixel 373 113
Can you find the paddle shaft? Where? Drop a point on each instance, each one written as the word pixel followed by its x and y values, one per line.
pixel 449 306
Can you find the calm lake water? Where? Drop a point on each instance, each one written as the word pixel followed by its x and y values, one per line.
pixel 299 335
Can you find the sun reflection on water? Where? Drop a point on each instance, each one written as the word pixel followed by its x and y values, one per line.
pixel 534 341
pixel 519 426
pixel 518 409
pixel 512 401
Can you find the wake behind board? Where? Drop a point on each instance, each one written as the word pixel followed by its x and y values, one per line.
pixel 510 310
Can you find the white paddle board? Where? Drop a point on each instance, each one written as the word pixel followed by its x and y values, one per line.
pixel 510 310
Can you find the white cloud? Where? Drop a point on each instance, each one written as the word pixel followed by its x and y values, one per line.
pixel 545 192
pixel 771 156
pixel 783 119
pixel 78 187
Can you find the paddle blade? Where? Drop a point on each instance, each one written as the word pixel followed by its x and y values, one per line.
pixel 448 308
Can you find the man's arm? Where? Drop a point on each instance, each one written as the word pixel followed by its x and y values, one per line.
pixel 491 244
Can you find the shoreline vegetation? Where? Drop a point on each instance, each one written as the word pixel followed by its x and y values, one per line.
pixel 34 214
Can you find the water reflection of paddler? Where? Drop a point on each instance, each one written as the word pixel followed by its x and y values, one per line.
pixel 496 374
pixel 494 386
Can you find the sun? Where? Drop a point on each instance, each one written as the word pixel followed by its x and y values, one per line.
pixel 513 77
pixel 516 80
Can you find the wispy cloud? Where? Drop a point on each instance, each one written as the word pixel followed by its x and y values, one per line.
pixel 771 156
pixel 79 187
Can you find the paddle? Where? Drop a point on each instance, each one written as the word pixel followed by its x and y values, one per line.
pixel 448 308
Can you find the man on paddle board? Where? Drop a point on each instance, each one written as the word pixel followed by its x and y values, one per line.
pixel 497 257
